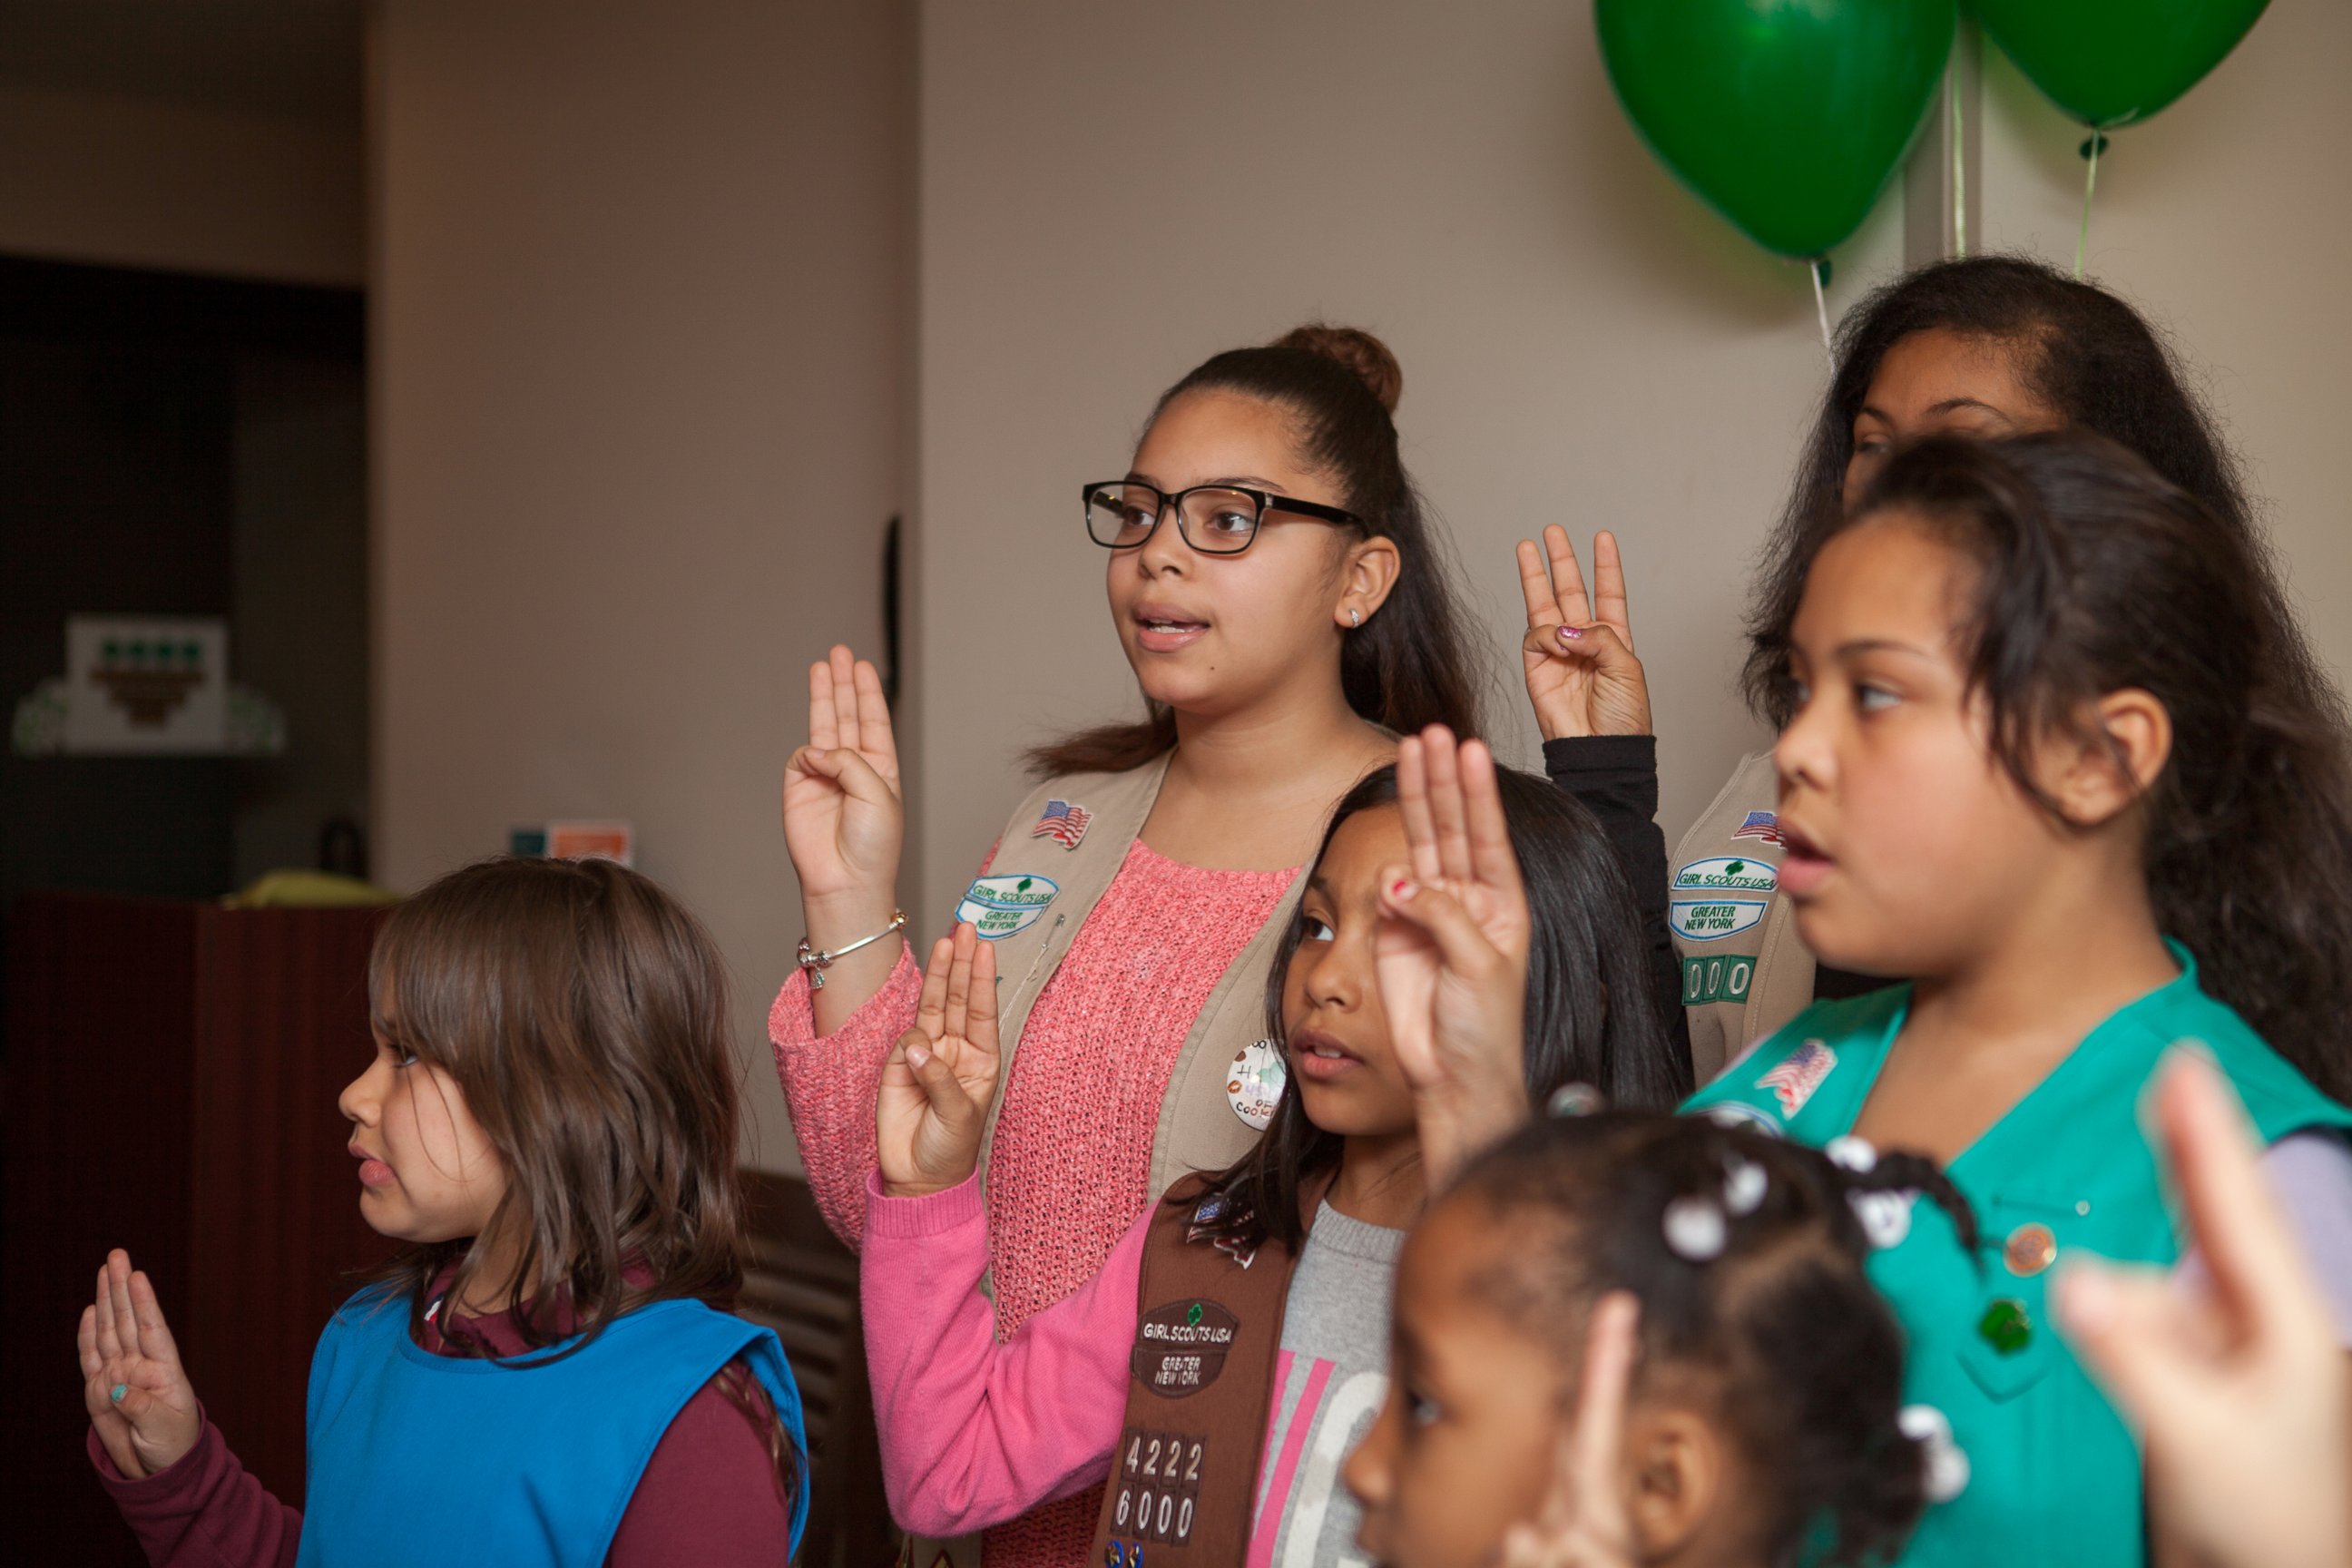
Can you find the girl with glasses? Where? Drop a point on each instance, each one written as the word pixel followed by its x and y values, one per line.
pixel 1273 584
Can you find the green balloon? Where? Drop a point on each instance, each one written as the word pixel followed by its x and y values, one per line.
pixel 1786 116
pixel 2113 62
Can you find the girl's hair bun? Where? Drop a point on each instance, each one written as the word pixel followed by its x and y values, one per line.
pixel 1364 354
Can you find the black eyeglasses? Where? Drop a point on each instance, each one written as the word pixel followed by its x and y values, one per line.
pixel 1215 520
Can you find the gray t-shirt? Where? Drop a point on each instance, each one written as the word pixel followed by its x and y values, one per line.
pixel 1329 1381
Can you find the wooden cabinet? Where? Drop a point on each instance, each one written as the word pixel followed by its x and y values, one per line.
pixel 172 1070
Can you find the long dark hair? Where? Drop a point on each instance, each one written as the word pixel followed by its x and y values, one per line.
pixel 1411 664
pixel 2097 575
pixel 1590 1016
pixel 2087 354
pixel 1801 1353
pixel 582 1012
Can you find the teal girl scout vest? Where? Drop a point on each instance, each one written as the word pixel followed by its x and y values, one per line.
pixel 2053 1476
pixel 430 1460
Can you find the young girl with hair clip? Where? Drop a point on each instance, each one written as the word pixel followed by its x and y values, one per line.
pixel 1987 346
pixel 1624 1339
pixel 1219 1362
pixel 2043 763
pixel 1278 590
pixel 549 1372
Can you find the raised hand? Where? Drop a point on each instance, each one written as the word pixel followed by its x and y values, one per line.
pixel 1584 1523
pixel 2240 1392
pixel 1451 952
pixel 1582 677
pixel 139 1399
pixel 941 1076
pixel 843 817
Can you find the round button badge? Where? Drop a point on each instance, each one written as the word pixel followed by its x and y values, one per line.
pixel 2030 1248
pixel 1255 1083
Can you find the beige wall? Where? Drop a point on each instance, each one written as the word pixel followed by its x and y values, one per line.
pixel 141 182
pixel 2228 217
pixel 1583 342
pixel 640 297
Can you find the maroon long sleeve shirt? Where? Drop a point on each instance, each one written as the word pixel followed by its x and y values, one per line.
pixel 708 1495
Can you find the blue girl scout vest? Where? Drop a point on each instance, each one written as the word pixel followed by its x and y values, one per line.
pixel 424 1459
pixel 2050 1473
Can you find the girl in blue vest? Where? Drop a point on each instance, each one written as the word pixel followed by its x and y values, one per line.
pixel 548 1373
pixel 2045 762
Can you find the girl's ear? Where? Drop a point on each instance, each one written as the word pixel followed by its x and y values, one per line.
pixel 2126 739
pixel 1675 1470
pixel 1368 573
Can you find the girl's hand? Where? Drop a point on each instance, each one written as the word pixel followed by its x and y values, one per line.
pixel 940 1078
pixel 1452 951
pixel 843 817
pixel 1582 677
pixel 2242 1395
pixel 1583 1522
pixel 139 1399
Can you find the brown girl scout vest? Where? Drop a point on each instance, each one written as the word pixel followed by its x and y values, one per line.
pixel 1183 1481
pixel 1055 858
pixel 1745 971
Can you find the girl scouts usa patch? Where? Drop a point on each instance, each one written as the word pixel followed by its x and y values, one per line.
pixel 1181 1348
pixel 999 906
pixel 1721 896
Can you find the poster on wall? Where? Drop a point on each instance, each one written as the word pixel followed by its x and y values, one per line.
pixel 146 684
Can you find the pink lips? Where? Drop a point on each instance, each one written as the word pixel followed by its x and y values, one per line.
pixel 1176 630
pixel 1321 1069
pixel 373 1173
pixel 1804 869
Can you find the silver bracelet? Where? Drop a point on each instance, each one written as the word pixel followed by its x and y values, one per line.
pixel 815 963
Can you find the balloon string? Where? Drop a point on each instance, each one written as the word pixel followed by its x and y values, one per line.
pixel 2090 181
pixel 1959 177
pixel 1820 307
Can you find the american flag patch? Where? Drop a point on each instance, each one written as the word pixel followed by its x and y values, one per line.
pixel 1798 1073
pixel 1063 822
pixel 1764 824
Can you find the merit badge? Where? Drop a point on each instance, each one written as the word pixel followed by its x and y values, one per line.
pixel 1795 1077
pixel 1763 824
pixel 1181 1348
pixel 1063 822
pixel 1254 1083
pixel 2030 1248
pixel 999 906
pixel 2006 1326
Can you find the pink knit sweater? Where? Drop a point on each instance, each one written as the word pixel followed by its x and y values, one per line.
pixel 1071 1164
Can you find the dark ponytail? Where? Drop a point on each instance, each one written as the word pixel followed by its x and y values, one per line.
pixel 1800 1355
pixel 1411 664
pixel 2088 355
pixel 2097 575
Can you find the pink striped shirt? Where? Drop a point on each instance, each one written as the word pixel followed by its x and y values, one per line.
pixel 1071 1165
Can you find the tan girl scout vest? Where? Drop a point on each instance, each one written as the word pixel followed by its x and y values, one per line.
pixel 1745 972
pixel 1055 858
pixel 1183 1481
